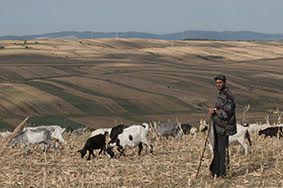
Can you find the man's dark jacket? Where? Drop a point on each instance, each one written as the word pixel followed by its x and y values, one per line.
pixel 225 122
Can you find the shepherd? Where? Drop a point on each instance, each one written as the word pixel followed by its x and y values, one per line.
pixel 223 125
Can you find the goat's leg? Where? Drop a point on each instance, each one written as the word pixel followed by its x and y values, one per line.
pixel 121 149
pixel 101 149
pixel 179 137
pixel 89 154
pixel 26 148
pixel 92 153
pixel 54 147
pixel 140 148
pixel 244 145
pixel 47 143
pixel 247 136
pixel 148 145
pixel 45 148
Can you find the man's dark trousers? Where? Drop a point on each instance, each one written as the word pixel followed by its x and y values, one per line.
pixel 221 155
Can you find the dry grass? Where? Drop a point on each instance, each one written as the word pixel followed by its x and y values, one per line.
pixel 173 164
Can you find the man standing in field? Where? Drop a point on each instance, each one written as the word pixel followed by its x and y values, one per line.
pixel 224 125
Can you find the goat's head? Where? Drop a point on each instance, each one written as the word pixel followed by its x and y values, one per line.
pixel 14 142
pixel 109 152
pixel 246 125
pixel 83 152
pixel 194 130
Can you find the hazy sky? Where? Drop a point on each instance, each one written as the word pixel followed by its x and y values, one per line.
pixel 24 17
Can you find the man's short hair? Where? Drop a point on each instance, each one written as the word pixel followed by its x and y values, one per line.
pixel 220 77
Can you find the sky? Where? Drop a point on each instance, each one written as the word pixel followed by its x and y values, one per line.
pixel 29 17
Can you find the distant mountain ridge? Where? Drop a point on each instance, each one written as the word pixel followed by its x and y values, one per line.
pixel 186 35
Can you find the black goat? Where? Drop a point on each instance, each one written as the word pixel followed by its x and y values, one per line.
pixel 95 142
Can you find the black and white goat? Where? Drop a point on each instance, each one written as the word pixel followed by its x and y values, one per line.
pixel 272 131
pixel 95 142
pixel 188 129
pixel 36 136
pixel 239 137
pixel 115 131
pixel 132 136
pixel 100 131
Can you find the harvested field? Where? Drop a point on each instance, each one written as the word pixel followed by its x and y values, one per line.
pixel 173 164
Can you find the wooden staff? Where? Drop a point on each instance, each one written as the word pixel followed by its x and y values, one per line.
pixel 20 126
pixel 205 143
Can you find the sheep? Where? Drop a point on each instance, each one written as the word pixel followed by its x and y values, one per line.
pixel 272 131
pixel 132 136
pixel 56 131
pixel 239 137
pixel 35 136
pixel 100 131
pixel 95 142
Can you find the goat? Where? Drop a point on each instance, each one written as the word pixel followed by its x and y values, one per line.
pixel 254 127
pixel 56 131
pixel 5 134
pixel 36 136
pixel 100 131
pixel 272 131
pixel 167 129
pixel 239 137
pixel 95 142
pixel 117 130
pixel 132 136
pixel 79 131
pixel 187 129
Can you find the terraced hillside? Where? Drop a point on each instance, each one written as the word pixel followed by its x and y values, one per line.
pixel 102 82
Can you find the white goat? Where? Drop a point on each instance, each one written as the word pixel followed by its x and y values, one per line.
pixel 56 131
pixel 239 137
pixel 254 127
pixel 5 134
pixel 100 131
pixel 132 136
pixel 36 136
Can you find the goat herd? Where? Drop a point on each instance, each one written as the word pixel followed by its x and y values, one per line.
pixel 132 136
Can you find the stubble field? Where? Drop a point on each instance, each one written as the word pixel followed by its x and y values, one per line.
pixel 173 164
pixel 104 82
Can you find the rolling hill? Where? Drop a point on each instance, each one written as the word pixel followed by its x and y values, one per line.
pixel 102 82
pixel 184 35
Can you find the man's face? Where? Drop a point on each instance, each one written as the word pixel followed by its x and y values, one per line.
pixel 220 84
